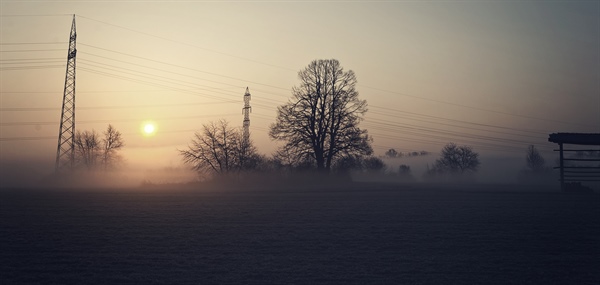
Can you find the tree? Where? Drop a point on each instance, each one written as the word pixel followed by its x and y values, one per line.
pixel 321 119
pixel 220 149
pixel 284 158
pixel 535 161
pixel 456 159
pixel 404 170
pixel 404 173
pixel 90 150
pixel 535 171
pixel 345 164
pixel 374 164
pixel 111 143
pixel 391 153
pixel 87 148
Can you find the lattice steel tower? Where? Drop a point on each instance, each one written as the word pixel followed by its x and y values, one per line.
pixel 65 152
pixel 246 111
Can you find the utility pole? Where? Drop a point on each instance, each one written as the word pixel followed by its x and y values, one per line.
pixel 246 111
pixel 65 152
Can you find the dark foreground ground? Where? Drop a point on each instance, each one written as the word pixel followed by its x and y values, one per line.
pixel 360 234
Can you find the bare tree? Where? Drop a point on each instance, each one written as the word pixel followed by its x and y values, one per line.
pixel 220 149
pixel 87 148
pixel 535 161
pixel 457 159
pixel 112 142
pixel 321 119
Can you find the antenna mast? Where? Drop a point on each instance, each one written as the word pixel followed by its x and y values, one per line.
pixel 246 111
pixel 65 152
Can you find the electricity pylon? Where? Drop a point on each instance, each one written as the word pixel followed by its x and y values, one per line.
pixel 246 111
pixel 65 152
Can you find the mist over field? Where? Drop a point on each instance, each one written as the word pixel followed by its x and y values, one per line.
pixel 28 173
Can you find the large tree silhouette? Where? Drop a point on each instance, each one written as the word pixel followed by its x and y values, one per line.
pixel 321 119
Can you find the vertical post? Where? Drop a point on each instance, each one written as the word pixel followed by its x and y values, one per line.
pixel 562 167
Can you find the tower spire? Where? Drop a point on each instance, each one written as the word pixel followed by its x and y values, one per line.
pixel 246 111
pixel 65 152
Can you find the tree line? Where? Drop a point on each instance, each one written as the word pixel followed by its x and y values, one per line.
pixel 98 151
pixel 318 129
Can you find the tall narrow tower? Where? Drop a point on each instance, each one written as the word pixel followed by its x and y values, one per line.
pixel 246 111
pixel 65 152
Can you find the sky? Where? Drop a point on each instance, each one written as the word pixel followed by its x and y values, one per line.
pixel 495 75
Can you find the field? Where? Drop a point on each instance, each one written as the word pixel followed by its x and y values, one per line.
pixel 353 234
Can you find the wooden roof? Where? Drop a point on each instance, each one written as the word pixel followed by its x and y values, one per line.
pixel 575 138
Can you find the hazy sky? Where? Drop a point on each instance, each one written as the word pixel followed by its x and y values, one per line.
pixel 497 75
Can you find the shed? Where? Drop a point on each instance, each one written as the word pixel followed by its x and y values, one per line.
pixel 585 168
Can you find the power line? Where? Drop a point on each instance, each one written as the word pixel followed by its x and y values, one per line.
pixel 463 122
pixel 183 67
pixel 33 50
pixel 186 44
pixel 32 43
pixel 33 109
pixel 451 120
pixel 463 127
pixel 46 123
pixel 399 93
pixel 32 59
pixel 28 62
pixel 147 75
pixel 28 138
pixel 474 108
pixel 30 67
pixel 33 15
pixel 170 81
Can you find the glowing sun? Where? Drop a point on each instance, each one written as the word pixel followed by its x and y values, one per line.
pixel 148 129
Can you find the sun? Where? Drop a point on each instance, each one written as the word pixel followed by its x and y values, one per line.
pixel 148 128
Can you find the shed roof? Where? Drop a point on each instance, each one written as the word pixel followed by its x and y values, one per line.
pixel 575 138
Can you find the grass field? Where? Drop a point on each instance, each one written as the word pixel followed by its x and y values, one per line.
pixel 355 234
